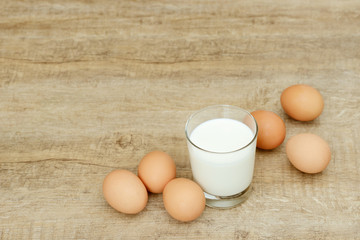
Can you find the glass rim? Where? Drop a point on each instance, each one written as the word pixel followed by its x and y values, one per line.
pixel 223 106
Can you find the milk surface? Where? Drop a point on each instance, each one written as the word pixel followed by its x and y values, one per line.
pixel 218 163
pixel 221 135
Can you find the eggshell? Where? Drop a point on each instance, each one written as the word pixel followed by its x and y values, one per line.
pixel 184 199
pixel 155 170
pixel 308 152
pixel 302 102
pixel 125 192
pixel 271 129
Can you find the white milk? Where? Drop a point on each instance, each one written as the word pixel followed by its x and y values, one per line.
pixel 217 164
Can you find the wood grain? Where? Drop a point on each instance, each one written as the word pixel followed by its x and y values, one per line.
pixel 91 86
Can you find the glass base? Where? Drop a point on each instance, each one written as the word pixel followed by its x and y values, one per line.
pixel 228 201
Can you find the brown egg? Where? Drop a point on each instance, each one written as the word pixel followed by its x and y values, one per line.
pixel 155 170
pixel 271 129
pixel 125 192
pixel 302 102
pixel 184 199
pixel 308 152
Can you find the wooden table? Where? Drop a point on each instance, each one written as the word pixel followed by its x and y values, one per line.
pixel 91 86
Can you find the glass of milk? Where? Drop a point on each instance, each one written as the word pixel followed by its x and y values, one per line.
pixel 221 141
